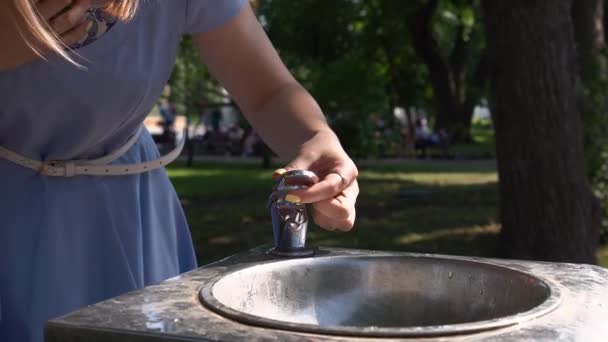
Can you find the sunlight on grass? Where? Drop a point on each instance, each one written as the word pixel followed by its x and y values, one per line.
pixel 185 172
pixel 438 178
pixel 442 208
pixel 199 172
pixel 452 232
pixel 212 179
pixel 602 256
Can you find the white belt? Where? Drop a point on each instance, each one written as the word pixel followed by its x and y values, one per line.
pixel 95 167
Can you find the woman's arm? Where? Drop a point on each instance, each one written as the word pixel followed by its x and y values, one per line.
pixel 240 55
pixel 242 58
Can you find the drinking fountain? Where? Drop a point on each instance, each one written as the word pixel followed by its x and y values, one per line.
pixel 291 292
pixel 290 220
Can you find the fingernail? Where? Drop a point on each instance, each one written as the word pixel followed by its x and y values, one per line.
pixel 293 199
pixel 278 173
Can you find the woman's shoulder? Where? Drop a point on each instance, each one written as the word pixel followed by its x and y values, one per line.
pixel 189 16
pixel 205 15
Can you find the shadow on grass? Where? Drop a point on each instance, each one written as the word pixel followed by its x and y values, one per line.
pixel 227 214
pixel 432 167
pixel 443 208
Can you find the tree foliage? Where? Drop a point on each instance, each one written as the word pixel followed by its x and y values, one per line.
pixel 192 87
pixel 589 19
pixel 385 56
pixel 447 37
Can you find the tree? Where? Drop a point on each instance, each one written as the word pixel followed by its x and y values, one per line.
pixel 588 19
pixel 192 88
pixel 310 31
pixel 420 45
pixel 320 42
pixel 546 202
pixel 386 38
pixel 456 66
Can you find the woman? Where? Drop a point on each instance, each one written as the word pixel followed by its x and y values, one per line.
pixel 70 236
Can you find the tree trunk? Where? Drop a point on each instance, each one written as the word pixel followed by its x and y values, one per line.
pixel 189 145
pixel 545 197
pixel 266 157
pixel 460 122
pixel 448 76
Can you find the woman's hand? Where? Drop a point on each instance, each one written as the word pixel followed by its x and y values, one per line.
pixel 66 18
pixel 284 114
pixel 333 198
pixel 21 45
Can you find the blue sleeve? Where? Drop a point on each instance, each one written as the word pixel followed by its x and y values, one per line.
pixel 206 15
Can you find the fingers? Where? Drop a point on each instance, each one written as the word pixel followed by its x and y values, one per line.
pixel 342 205
pixel 329 187
pixel 334 197
pixel 67 18
pixel 294 165
pixel 302 162
pixel 50 8
pixel 338 213
pixel 74 36
pixel 334 183
pixel 278 173
pixel 332 223
pixel 71 18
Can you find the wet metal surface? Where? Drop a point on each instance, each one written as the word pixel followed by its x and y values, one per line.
pixel 380 296
pixel 171 311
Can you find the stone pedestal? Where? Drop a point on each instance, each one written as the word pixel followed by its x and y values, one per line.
pixel 171 311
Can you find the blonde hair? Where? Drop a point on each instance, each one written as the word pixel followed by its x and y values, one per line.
pixel 39 35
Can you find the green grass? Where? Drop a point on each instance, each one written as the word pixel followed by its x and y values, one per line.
pixel 482 147
pixel 218 179
pixel 602 256
pixel 446 208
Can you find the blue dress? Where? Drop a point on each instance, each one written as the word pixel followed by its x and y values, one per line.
pixel 69 242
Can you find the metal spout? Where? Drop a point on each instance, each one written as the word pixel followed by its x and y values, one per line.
pixel 290 220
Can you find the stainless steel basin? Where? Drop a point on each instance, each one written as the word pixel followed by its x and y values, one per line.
pixel 382 295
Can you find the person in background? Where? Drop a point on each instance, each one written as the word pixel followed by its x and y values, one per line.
pixel 87 209
pixel 424 138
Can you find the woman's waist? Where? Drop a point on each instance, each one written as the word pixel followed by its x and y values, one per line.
pixel 137 155
pixel 70 140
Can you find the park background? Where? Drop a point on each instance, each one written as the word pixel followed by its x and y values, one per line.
pixel 511 88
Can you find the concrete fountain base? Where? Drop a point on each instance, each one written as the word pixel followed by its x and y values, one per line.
pixel 171 311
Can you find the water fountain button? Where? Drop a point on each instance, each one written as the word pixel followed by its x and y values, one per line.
pixel 290 220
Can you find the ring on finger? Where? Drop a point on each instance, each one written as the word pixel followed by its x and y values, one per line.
pixel 344 181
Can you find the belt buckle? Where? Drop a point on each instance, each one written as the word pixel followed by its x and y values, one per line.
pixel 43 170
pixel 47 167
